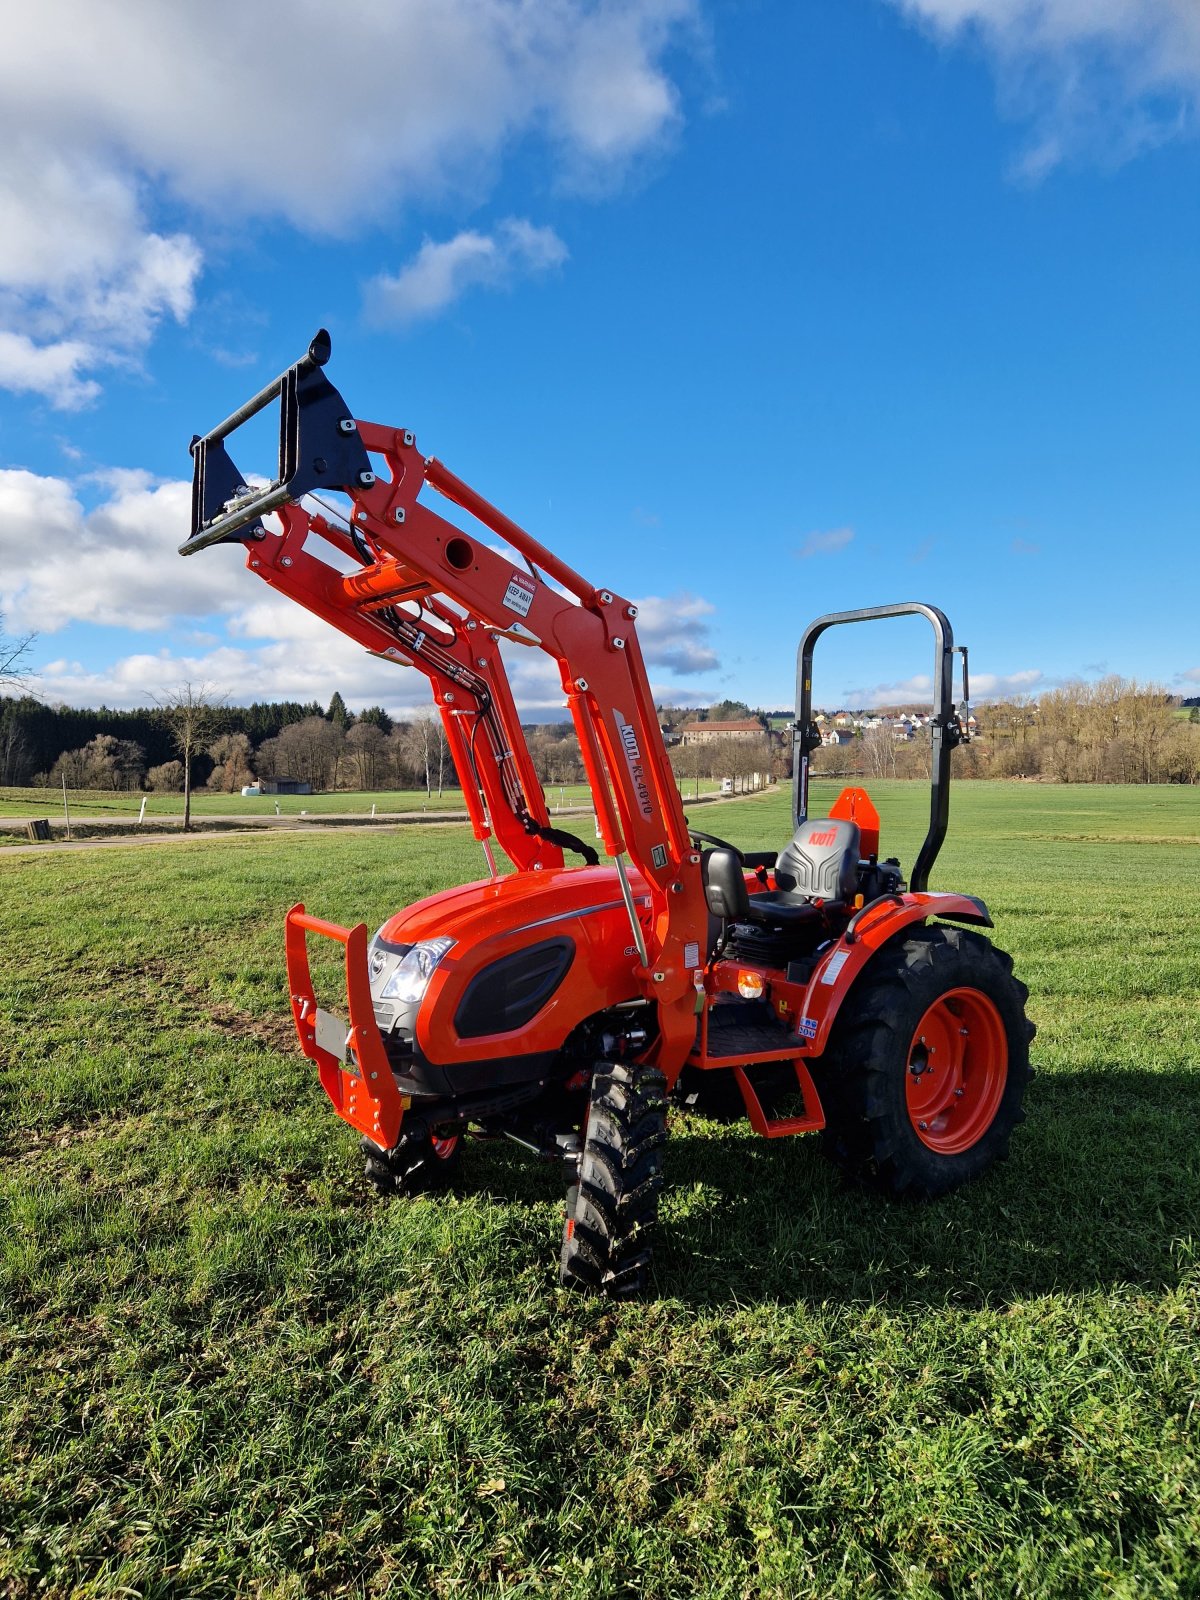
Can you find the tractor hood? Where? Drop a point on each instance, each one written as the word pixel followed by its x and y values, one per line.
pixel 478 912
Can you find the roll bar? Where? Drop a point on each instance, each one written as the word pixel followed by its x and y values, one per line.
pixel 948 728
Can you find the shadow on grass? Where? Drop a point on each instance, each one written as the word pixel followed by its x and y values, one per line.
pixel 1102 1191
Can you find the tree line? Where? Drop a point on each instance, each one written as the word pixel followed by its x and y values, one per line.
pixel 1111 730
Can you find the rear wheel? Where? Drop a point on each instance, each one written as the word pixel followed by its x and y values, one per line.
pixel 926 1070
pixel 613 1205
pixel 424 1160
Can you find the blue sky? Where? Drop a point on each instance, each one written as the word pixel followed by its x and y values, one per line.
pixel 751 311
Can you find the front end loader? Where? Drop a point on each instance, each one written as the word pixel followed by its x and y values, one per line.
pixel 561 1005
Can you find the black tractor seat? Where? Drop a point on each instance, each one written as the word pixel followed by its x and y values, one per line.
pixel 818 865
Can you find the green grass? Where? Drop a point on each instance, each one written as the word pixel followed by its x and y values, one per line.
pixel 225 1368
pixel 22 803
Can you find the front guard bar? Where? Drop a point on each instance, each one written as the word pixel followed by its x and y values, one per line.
pixel 355 1072
pixel 319 448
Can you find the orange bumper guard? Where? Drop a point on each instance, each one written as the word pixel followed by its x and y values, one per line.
pixel 354 1070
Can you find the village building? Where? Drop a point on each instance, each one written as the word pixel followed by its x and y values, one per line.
pixel 745 730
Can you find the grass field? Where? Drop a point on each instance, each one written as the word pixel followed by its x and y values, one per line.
pixel 225 1368
pixel 21 803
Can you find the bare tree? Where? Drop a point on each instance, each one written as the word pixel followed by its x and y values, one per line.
pixel 193 714
pixel 420 742
pixel 879 750
pixel 310 750
pixel 366 744
pixel 13 654
pixel 231 755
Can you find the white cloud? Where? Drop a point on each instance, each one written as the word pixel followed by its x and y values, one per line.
pixel 83 281
pixel 133 579
pixel 116 565
pixel 308 662
pixel 51 370
pixel 919 689
pixel 1107 76
pixel 1191 675
pixel 825 544
pixel 440 273
pixel 285 109
pixel 674 633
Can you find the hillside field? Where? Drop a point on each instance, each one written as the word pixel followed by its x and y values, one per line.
pixel 226 1368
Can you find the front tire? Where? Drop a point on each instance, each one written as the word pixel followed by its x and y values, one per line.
pixel 424 1161
pixel 926 1070
pixel 612 1207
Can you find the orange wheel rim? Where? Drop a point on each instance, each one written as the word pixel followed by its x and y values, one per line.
pixel 956 1071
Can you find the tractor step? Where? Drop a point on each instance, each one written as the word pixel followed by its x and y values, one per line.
pixel 743 1028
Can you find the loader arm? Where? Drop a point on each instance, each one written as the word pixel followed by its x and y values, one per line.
pixel 432 595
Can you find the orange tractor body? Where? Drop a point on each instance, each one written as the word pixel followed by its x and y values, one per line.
pixel 562 1005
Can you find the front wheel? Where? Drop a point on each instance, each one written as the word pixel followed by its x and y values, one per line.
pixel 926 1070
pixel 424 1161
pixel 612 1205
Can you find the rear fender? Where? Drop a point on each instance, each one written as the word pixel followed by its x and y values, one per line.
pixel 868 932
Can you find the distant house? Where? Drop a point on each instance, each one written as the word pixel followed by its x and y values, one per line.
pixel 749 728
pixel 837 736
pixel 283 786
pixel 843 719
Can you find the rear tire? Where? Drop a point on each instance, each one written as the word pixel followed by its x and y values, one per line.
pixel 926 1069
pixel 613 1207
pixel 424 1161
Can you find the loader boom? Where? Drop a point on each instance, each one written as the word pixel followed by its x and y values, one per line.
pixel 431 595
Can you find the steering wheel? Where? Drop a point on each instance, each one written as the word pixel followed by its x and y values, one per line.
pixel 710 838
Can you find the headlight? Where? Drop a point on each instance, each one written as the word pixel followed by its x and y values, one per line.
pixel 411 978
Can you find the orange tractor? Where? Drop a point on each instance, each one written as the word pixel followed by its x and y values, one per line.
pixel 561 1005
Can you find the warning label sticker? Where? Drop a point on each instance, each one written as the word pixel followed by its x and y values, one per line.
pixel 691 955
pixel 519 595
pixel 808 1027
pixel 836 963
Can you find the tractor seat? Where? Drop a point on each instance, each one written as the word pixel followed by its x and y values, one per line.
pixel 820 863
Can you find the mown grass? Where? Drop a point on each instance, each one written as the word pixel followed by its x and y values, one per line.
pixel 224 1368
pixel 21 803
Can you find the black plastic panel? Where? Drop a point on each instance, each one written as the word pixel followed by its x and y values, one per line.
pixel 510 992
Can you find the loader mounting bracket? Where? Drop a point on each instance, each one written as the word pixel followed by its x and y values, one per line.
pixel 319 448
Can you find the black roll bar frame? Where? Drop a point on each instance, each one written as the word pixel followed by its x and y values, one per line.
pixel 948 727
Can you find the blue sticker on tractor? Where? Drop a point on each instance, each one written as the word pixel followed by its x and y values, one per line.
pixel 808 1027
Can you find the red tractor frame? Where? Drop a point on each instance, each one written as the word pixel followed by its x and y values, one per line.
pixel 561 1005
